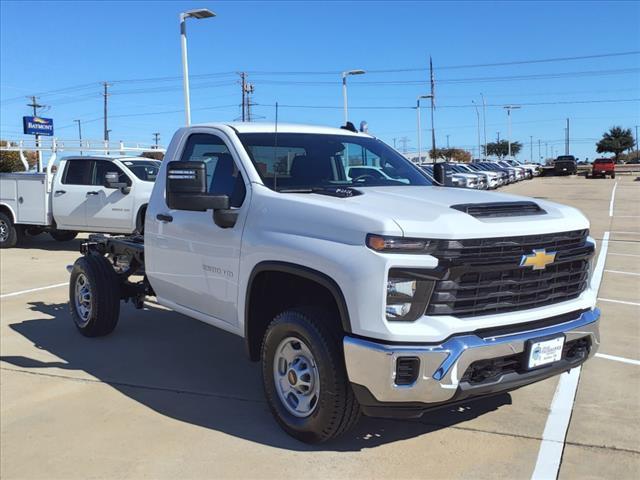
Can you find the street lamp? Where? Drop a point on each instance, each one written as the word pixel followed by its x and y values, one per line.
pixel 198 14
pixel 509 108
pixel 344 89
pixel 420 97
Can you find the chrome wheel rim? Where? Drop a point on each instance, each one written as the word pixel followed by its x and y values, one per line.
pixel 296 377
pixel 83 299
pixel 4 231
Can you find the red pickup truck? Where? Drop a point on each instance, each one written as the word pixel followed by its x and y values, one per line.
pixel 603 167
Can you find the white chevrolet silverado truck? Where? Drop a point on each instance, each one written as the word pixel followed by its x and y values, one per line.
pixel 375 293
pixel 85 194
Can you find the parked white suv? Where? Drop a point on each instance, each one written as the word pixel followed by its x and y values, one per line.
pixel 376 294
pixel 86 194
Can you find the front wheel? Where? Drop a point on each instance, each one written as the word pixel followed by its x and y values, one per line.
pixel 94 296
pixel 304 377
pixel 613 175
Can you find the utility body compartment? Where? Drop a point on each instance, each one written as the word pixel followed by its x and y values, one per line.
pixel 26 195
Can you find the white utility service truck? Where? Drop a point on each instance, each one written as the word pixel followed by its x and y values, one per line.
pixel 85 194
pixel 358 292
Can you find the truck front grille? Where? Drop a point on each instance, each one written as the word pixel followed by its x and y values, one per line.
pixel 484 276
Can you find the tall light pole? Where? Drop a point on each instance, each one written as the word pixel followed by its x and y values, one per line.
pixel 79 134
pixel 531 146
pixel 198 14
pixel 344 90
pixel 477 115
pixel 484 121
pixel 420 97
pixel 509 108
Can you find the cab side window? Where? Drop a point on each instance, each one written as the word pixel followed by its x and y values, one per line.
pixel 77 172
pixel 103 167
pixel 223 176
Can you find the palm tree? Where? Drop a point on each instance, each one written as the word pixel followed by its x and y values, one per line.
pixel 615 141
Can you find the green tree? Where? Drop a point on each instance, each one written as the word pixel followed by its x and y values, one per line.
pixel 10 161
pixel 451 154
pixel 155 155
pixel 501 149
pixel 616 141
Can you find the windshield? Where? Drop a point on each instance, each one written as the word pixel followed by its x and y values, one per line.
pixel 303 161
pixel 146 170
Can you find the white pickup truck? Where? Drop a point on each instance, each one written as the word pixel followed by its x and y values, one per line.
pixel 362 293
pixel 86 194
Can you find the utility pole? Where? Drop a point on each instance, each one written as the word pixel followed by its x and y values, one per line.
pixel 498 133
pixel 546 149
pixel 403 142
pixel 566 140
pixel 539 151
pixel 509 108
pixel 636 140
pixel 79 134
pixel 477 115
pixel 531 142
pixel 247 90
pixel 34 103
pixel 394 142
pixel 243 83
pixel 433 106
pixel 484 122
pixel 106 95
pixel 156 138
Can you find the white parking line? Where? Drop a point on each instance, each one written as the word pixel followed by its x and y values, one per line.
pixel 624 302
pixel 22 292
pixel 613 197
pixel 555 430
pixel 618 359
pixel 624 254
pixel 622 273
pixel 624 232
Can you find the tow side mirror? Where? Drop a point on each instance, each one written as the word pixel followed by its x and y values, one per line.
pixel 112 180
pixel 186 189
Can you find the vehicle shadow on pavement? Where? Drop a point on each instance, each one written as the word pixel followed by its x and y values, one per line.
pixel 198 374
pixel 46 243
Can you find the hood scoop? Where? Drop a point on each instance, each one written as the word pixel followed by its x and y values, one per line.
pixel 500 209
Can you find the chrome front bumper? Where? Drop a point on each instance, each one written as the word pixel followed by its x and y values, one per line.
pixel 372 365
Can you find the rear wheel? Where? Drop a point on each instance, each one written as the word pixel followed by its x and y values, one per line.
pixel 63 235
pixel 10 233
pixel 613 175
pixel 304 377
pixel 94 296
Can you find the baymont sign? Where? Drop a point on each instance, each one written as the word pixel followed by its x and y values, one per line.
pixel 37 126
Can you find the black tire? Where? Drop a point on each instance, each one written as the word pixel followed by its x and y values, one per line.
pixel 336 409
pixel 104 290
pixel 10 233
pixel 613 175
pixel 63 235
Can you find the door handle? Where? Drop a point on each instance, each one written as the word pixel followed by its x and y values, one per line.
pixel 92 193
pixel 60 192
pixel 163 217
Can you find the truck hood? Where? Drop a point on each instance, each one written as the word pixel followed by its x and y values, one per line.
pixel 426 212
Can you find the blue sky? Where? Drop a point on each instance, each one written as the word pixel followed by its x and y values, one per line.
pixel 80 44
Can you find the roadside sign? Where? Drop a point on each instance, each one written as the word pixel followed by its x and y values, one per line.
pixel 37 126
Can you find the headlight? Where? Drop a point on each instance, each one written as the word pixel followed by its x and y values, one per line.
pixel 408 294
pixel 381 243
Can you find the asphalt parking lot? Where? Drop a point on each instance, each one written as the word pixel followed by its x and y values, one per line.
pixel 169 397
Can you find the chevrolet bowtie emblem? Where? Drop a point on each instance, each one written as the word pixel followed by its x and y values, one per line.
pixel 539 259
